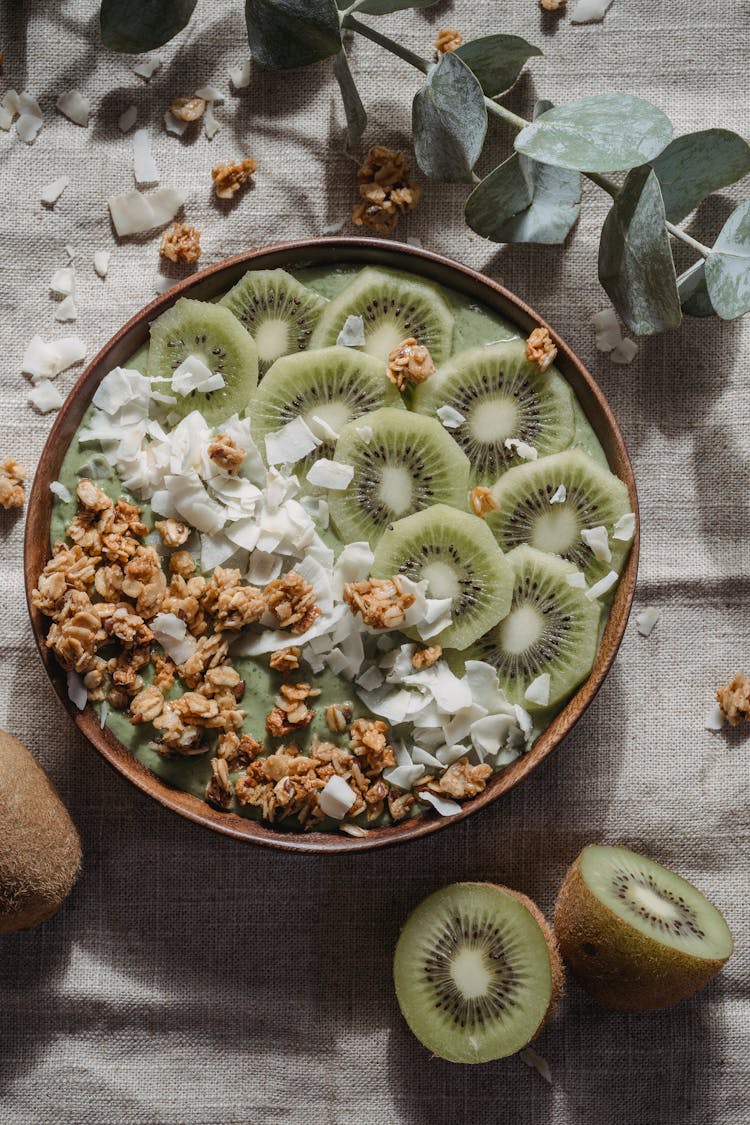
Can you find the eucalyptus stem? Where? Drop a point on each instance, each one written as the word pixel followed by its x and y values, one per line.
pixel 352 24
pixel 683 236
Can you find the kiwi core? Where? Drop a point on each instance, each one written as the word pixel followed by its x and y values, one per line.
pixel 272 337
pixel 555 531
pixel 382 340
pixel 396 489
pixel 442 580
pixel 333 414
pixel 494 419
pixel 469 972
pixel 521 629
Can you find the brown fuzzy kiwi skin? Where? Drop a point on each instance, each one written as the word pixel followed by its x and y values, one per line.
pixel 618 965
pixel 40 851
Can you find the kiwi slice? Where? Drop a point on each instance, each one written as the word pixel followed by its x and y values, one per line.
pixel 402 463
pixel 477 972
pixel 500 395
pixel 278 311
pixel 210 332
pixel 460 559
pixel 594 498
pixel 636 935
pixel 551 628
pixel 328 388
pixel 393 307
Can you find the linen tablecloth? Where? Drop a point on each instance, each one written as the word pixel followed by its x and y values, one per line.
pixel 193 980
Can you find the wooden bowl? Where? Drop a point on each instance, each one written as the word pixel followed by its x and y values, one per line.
pixel 207 283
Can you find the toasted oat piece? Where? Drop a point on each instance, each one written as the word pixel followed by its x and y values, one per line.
pixel 12 476
pixel 461 779
pixel 181 243
pixel 219 788
pixel 540 349
pixel 230 177
pixel 734 699
pixel 225 453
pixel 386 188
pixel 448 39
pixel 409 363
pixel 338 716
pixel 292 602
pixel 173 533
pixel 482 501
pixel 426 657
pixel 187 108
pixel 285 659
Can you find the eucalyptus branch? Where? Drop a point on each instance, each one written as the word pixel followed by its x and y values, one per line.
pixel 352 24
pixel 688 239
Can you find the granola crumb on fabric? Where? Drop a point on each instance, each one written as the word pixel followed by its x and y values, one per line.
pixel 540 349
pixel 387 190
pixel 181 244
pixel 12 477
pixel 409 363
pixel 552 5
pixel 734 699
pixel 482 501
pixel 230 177
pixel 448 39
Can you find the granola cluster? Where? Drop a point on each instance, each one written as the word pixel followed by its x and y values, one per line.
pixel 540 349
pixel 291 600
pixel 448 39
pixel 409 363
pixel 12 476
pixel 482 501
pixel 181 244
pixel 426 657
pixel 382 602
pixel 291 712
pixel 187 108
pixel 225 453
pixel 230 177
pixel 734 699
pixel 386 188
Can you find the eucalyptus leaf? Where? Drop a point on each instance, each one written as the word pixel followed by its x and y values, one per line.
pixel 385 7
pixel 449 121
pixel 289 33
pixel 496 60
pixel 605 133
pixel 132 26
pixel 694 298
pixel 635 258
pixel 728 266
pixel 356 115
pixel 696 165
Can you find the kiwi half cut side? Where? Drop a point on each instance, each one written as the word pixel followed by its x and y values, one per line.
pixel 477 972
pixel 500 395
pixel 402 463
pixel 594 497
pixel 460 559
pixel 551 628
pixel 209 332
pixel 327 388
pixel 278 311
pixel 393 307
pixel 636 935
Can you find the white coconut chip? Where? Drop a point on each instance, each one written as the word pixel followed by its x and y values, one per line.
pixel 607 329
pixel 607 341
pixel 597 540
pixel 240 75
pixel 148 67
pixel 624 353
pixel 443 806
pixel 371 679
pixel 450 417
pixel 101 262
pixel 449 754
pixel 40 359
pixel 450 693
pixel 193 375
pixel 403 777
pixel 352 334
pixel 330 474
pixel 522 448
pixel 173 124
pixel 414 241
pixel 210 125
pixel 714 718
pixel 646 620
pixel 67 310
pixel 322 429
pixel 336 797
pixel 560 495
pixel 58 489
pixel 537 1063
pixel 11 101
pixel 333 228
pixel 62 283
pixel 624 529
pixel 210 93
pixel 353 830
pixel 45 397
pixel 422 757
pixel 291 443
pixel 577 580
pixel 134 213
pixel 144 165
pixel 27 127
pixel 103 714
pixel 6 118
pixel 127 119
pixel 365 433
pixel 602 586
pixel 53 190
pixel 353 565
pixel 77 690
pixel 538 690
pixel 491 732
pixel 75 106
pixel 590 11
pixel 171 633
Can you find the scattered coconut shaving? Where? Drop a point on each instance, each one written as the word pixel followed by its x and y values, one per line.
pixel 45 397
pixel 646 620
pixel 240 75
pixel 291 443
pixel 148 67
pixel 577 580
pixel 67 310
pixel 590 11
pixel 134 213
pixel 52 191
pixel 44 361
pixel 27 127
pixel 144 165
pixel 441 804
pixel 210 125
pixel 597 540
pixel 57 488
pixel 560 495
pixel 75 106
pixel 538 690
pixel 63 281
pixel 336 798
pixel 101 262
pixel 624 528
pixel 602 586
pixel 537 1063
pixel 127 119
pixel 77 692
pixel 330 474
pixel 624 353
pixel 450 417
pixel 714 718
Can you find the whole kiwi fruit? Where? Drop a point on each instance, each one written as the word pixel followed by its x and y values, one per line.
pixel 40 851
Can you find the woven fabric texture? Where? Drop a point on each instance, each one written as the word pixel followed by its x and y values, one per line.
pixel 192 981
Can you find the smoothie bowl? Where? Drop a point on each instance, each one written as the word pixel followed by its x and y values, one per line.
pixel 331 545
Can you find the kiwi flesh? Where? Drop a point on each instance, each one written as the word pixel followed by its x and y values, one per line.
pixel 551 628
pixel 327 388
pixel 636 935
pixel 216 337
pixel 500 395
pixel 402 463
pixel 393 306
pixel 40 852
pixel 460 559
pixel 278 311
pixel 594 497
pixel 477 972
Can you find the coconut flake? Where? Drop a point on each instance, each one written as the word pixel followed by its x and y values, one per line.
pixel 101 262
pixel 403 777
pixel 291 443
pixel 58 489
pixel 144 165
pixel 450 417
pixel 330 474
pixel 77 690
pixel 538 690
pixel 62 282
pixel 352 334
pixel 336 797
pixel 322 429
pixel 602 586
pixel 491 732
pixel 444 807
pixel 624 529
pixel 352 829
pixel 171 633
pixel 174 125
pixel 127 119
pixel 45 397
pixel 103 714
pixel 240 75
pixel 560 495
pixel 450 693
pixel 6 118
pixel 75 106
pixel 646 620
pixel 53 190
pixel 134 213
pixel 210 94
pixel 148 67
pixel 522 448
pixel 624 353
pixel 27 127
pixel 67 309
pixel 365 433
pixel 590 11
pixel 371 679
pixel 597 540
pixel 193 503
pixel 210 125
pixel 577 579
pixel 194 375
pixel 532 1059
pixel 40 359
pixel 714 718
pixel 607 341
pixel 353 565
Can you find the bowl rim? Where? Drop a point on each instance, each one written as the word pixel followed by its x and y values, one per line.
pixel 300 253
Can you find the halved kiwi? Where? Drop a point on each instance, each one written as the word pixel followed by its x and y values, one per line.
pixel 402 463
pixel 636 935
pixel 594 497
pixel 210 332
pixel 328 388
pixel 551 628
pixel 501 395
pixel 460 559
pixel 477 972
pixel 278 311
pixel 393 307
